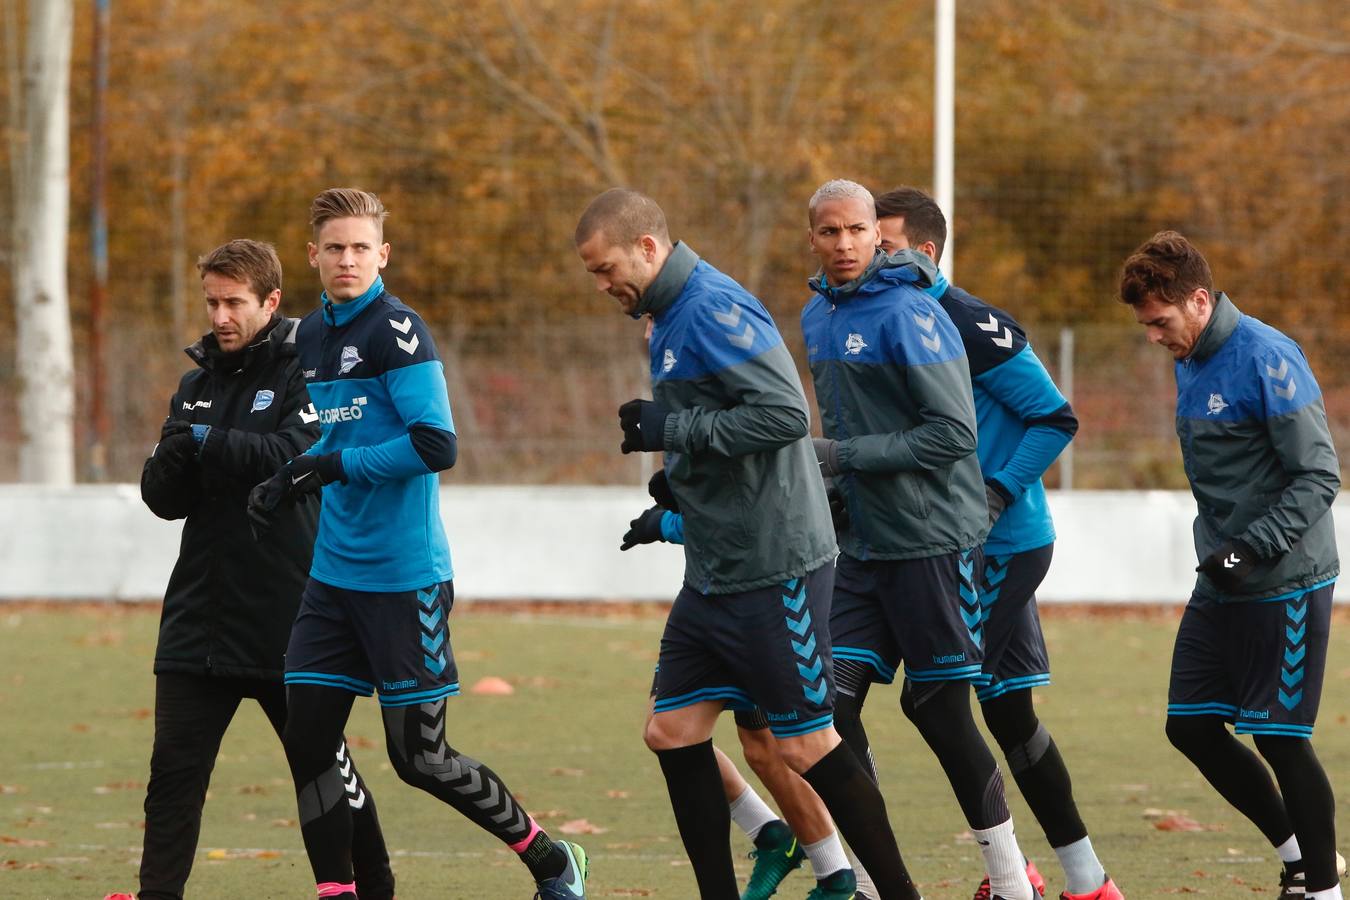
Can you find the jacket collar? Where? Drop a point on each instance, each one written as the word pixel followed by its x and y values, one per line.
pixel 276 338
pixel 669 282
pixel 902 265
pixel 340 314
pixel 1222 322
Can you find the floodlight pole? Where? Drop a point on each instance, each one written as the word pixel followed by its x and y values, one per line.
pixel 98 244
pixel 944 122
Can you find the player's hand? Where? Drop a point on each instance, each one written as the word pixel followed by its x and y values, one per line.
pixel 644 426
pixel 176 448
pixel 659 488
pixel 838 507
pixel 998 498
pixel 827 454
pixel 299 478
pixel 1229 565
pixel 645 529
pixel 174 426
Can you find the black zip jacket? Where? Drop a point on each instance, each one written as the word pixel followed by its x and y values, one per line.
pixel 230 601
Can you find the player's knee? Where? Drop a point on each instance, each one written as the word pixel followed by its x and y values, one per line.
pixel 1011 719
pixel 1022 755
pixel 656 737
pixel 759 747
pixel 929 705
pixel 1285 753
pixel 1192 735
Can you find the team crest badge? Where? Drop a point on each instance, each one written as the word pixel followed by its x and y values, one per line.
pixel 350 359
pixel 262 400
pixel 668 361
pixel 1216 404
pixel 855 344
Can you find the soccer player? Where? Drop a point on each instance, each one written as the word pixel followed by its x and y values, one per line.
pixel 234 420
pixel 748 625
pixel 1024 422
pixel 373 618
pixel 1252 643
pixel 894 392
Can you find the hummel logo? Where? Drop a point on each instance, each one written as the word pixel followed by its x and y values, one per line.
pixel 993 325
pixel 933 343
pixel 1285 391
pixel 409 347
pixel 1232 561
pixel 200 404
pixel 403 326
pixel 308 415
pixel 732 321
pixel 1216 404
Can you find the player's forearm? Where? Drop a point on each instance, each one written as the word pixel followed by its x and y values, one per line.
pixel 738 431
pixel 400 458
pixel 931 445
pixel 1040 446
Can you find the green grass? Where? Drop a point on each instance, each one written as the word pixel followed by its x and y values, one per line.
pixel 76 692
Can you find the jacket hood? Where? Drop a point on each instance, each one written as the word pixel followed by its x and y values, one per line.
pixel 276 338
pixel 902 266
pixel 1220 327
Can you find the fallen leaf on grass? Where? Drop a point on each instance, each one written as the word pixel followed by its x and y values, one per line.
pixel 9 789
pixel 22 842
pixel 359 742
pixel 118 786
pixel 253 789
pixel 16 864
pixel 570 773
pixel 80 728
pixel 1182 823
pixel 220 853
pixel 616 794
pixel 285 823
pixel 549 814
pixel 492 686
pixel 630 892
pixel 580 826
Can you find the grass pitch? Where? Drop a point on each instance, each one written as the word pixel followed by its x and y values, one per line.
pixel 75 711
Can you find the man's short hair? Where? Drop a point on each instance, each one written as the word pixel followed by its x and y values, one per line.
pixel 624 216
pixel 839 189
pixel 1166 267
pixel 346 203
pixel 923 217
pixel 250 262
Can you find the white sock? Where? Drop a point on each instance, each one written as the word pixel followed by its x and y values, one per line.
pixel 865 883
pixel 826 855
pixel 1331 893
pixel 1289 851
pixel 751 813
pixel 1004 862
pixel 1083 872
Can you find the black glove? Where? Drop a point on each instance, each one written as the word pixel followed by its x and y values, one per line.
pixel 644 425
pixel 645 529
pixel 827 454
pixel 299 478
pixel 176 448
pixel 659 488
pixel 1229 565
pixel 998 498
pixel 838 507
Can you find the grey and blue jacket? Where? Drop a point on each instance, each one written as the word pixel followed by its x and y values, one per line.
pixel 1024 421
pixel 738 456
pixel 1259 455
pixel 893 387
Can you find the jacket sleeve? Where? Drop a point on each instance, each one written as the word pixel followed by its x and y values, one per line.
pixel 416 386
pixel 1022 384
pixel 252 457
pixel 1302 441
pixel 170 491
pixel 939 390
pixel 768 410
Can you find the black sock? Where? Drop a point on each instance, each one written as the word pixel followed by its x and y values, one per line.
pixel 860 813
pixel 1036 766
pixel 543 858
pixel 1311 805
pixel 313 731
pixel 703 817
pixel 773 834
pixel 1234 771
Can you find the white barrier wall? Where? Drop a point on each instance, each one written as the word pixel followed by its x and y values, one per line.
pixel 99 542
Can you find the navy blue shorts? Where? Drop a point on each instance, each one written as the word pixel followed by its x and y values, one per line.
pixel 395 643
pixel 1014 645
pixel 1257 664
pixel 766 648
pixel 924 612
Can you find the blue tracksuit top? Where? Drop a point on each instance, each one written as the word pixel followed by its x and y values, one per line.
pixel 378 390
pixel 1023 420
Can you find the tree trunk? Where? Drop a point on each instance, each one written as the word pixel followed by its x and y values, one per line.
pixel 41 213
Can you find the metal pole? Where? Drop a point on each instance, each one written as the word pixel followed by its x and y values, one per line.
pixel 1066 388
pixel 98 233
pixel 944 123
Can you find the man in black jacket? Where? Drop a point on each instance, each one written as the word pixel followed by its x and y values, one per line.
pixel 234 421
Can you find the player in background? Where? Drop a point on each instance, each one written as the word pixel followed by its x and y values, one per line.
pixel 1251 647
pixel 893 387
pixel 747 628
pixel 373 618
pixel 235 419
pixel 1024 423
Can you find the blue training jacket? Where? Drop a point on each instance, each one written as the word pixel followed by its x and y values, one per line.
pixel 1024 422
pixel 378 391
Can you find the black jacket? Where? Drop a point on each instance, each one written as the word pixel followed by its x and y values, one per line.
pixel 230 601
